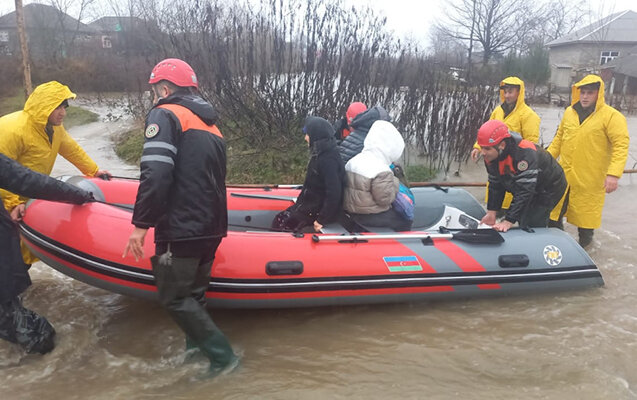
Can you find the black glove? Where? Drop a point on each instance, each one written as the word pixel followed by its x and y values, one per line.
pixel 80 196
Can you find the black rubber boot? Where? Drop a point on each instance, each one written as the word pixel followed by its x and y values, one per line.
pixel 585 237
pixel 181 284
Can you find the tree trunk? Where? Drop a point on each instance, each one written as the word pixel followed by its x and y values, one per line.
pixel 28 87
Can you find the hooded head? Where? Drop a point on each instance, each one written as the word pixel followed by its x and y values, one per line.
pixel 589 81
pixel 512 82
pixel 384 141
pixel 45 99
pixel 317 129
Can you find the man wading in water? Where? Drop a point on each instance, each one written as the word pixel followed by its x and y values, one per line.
pixel 182 193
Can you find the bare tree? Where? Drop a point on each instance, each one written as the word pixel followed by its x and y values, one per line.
pixel 496 25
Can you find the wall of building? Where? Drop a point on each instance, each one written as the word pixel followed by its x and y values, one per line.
pixel 583 58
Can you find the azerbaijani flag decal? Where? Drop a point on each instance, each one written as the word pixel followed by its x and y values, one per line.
pixel 402 264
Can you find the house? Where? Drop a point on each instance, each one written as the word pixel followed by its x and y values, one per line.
pixel 589 48
pixel 50 33
pixel 621 74
pixel 127 35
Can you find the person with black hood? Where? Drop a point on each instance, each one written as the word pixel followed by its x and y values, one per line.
pixel 17 323
pixel 182 193
pixel 320 199
pixel 353 143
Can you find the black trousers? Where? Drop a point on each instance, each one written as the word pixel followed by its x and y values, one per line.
pixel 182 276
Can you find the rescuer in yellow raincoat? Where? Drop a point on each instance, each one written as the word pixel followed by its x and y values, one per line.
pixel 34 137
pixel 591 145
pixel 517 116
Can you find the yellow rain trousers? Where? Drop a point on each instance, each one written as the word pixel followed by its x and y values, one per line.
pixel 23 138
pixel 522 120
pixel 588 152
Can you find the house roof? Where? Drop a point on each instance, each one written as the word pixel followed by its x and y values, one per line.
pixel 616 28
pixel 117 24
pixel 42 16
pixel 626 65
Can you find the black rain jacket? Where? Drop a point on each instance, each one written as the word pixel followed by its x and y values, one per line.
pixel 322 193
pixel 182 190
pixel 14 278
pixel 529 172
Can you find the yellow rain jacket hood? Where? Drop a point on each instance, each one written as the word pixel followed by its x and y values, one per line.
pixel 588 152
pixel 24 139
pixel 522 119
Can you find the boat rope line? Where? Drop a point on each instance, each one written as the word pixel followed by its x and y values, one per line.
pixel 86 261
pixel 231 285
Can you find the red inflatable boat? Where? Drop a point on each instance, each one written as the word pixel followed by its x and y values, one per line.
pixel 259 268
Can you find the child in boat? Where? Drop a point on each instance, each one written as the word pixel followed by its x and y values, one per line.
pixel 371 185
pixel 320 200
pixel 343 126
pixel 360 126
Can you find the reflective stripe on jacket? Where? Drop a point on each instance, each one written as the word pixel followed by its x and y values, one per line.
pixel 182 190
pixel 529 173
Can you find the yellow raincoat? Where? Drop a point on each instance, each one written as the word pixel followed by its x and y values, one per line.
pixel 588 152
pixel 522 120
pixel 23 138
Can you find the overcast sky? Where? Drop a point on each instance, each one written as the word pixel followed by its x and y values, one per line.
pixel 413 18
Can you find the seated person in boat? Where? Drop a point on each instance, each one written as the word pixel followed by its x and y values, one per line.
pixel 320 199
pixel 371 186
pixel 524 169
pixel 17 323
pixel 343 126
pixel 361 124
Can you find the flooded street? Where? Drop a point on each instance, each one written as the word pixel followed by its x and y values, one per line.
pixel 574 345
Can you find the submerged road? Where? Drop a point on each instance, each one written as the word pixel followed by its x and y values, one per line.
pixel 579 345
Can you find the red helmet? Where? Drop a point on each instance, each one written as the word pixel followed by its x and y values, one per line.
pixel 176 71
pixel 353 110
pixel 492 132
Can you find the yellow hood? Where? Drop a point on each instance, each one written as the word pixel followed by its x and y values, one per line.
pixel 513 80
pixel 46 98
pixel 588 79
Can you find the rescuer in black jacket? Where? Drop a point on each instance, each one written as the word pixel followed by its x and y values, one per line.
pixel 524 169
pixel 18 324
pixel 182 193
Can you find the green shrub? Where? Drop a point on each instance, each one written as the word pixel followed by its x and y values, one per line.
pixel 419 173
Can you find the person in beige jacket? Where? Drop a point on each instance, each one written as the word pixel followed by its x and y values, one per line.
pixel 371 186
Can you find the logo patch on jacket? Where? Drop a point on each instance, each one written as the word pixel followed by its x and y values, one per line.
pixel 523 165
pixel 151 131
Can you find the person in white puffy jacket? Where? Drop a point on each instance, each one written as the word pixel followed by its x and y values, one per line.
pixel 371 185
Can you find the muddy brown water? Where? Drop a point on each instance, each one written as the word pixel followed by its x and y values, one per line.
pixel 575 345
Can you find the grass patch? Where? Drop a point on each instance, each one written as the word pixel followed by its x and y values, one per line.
pixel 13 101
pixel 245 164
pixel 269 165
pixel 75 116
pixel 128 146
pixel 419 173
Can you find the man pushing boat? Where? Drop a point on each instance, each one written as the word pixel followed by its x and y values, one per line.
pixel 524 169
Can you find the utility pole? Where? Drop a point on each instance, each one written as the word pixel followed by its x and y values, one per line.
pixel 28 86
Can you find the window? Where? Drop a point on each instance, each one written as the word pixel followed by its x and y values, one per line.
pixel 106 42
pixel 4 36
pixel 608 56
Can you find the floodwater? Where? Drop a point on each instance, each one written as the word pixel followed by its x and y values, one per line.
pixel 577 345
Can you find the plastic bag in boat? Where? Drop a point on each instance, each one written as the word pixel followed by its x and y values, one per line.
pixel 25 327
